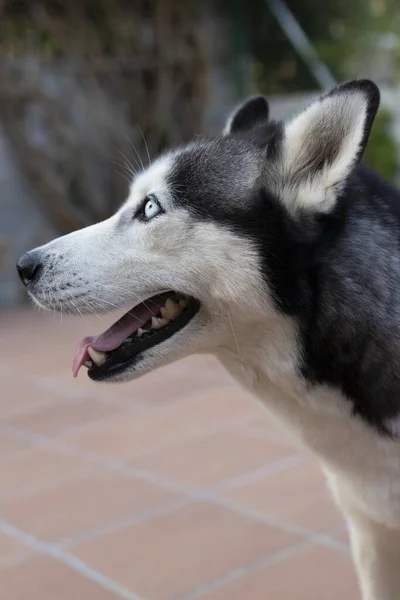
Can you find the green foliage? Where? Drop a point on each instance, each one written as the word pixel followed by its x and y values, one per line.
pixel 381 153
pixel 334 30
pixel 348 36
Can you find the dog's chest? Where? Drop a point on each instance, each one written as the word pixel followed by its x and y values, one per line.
pixel 366 464
pixel 363 465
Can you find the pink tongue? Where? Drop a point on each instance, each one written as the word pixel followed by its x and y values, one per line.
pixel 117 333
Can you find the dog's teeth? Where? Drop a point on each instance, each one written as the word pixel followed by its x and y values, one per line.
pixel 183 303
pixel 171 309
pixel 140 332
pixel 129 339
pixel 97 357
pixel 157 323
pixel 88 364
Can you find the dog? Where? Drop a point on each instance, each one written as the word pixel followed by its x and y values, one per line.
pixel 275 248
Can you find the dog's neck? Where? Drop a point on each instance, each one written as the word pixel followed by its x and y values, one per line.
pixel 263 350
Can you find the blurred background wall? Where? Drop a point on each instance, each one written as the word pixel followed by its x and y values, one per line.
pixel 91 90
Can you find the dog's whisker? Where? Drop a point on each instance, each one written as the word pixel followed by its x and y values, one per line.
pixel 145 143
pixel 125 172
pixel 76 307
pixel 128 292
pixel 119 307
pixel 136 152
pixel 236 342
pixel 126 162
pixel 61 313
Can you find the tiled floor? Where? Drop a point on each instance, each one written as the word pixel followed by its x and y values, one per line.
pixel 173 487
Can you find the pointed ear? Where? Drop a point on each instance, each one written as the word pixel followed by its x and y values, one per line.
pixel 249 113
pixel 318 149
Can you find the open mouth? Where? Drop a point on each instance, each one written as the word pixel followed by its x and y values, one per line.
pixel 144 326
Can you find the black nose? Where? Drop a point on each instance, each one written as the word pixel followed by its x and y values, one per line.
pixel 29 267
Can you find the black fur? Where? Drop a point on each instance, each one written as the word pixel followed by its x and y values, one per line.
pixel 337 274
pixel 350 327
pixel 251 112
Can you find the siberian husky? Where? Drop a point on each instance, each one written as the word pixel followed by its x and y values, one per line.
pixel 274 248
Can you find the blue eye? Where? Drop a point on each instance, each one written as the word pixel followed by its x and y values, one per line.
pixel 151 208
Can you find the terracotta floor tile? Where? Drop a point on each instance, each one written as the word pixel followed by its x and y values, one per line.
pixel 53 420
pixel 19 398
pixel 214 458
pixel 265 424
pixel 83 504
pixel 46 579
pixel 11 445
pixel 48 354
pixel 296 495
pixel 136 434
pixel 82 386
pixel 11 550
pixel 34 468
pixel 158 389
pixel 50 342
pixel 33 323
pixel 315 573
pixel 184 379
pixel 169 555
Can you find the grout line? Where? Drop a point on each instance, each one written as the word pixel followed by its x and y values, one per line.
pixel 276 466
pixel 115 465
pixel 153 479
pixel 192 497
pixel 131 470
pixel 260 517
pixel 226 426
pixel 164 509
pixel 138 410
pixel 60 444
pixel 333 543
pixel 243 571
pixel 78 394
pixel 313 536
pixel 127 521
pixel 141 408
pixel 68 560
pixel 195 496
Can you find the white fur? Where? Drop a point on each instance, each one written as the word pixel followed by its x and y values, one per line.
pixel 316 127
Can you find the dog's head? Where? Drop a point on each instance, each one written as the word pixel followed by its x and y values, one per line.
pixel 205 247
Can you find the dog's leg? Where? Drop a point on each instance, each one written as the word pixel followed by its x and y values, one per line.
pixel 375 547
pixel 376 552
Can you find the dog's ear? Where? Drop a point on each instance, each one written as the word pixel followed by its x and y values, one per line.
pixel 249 113
pixel 309 161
